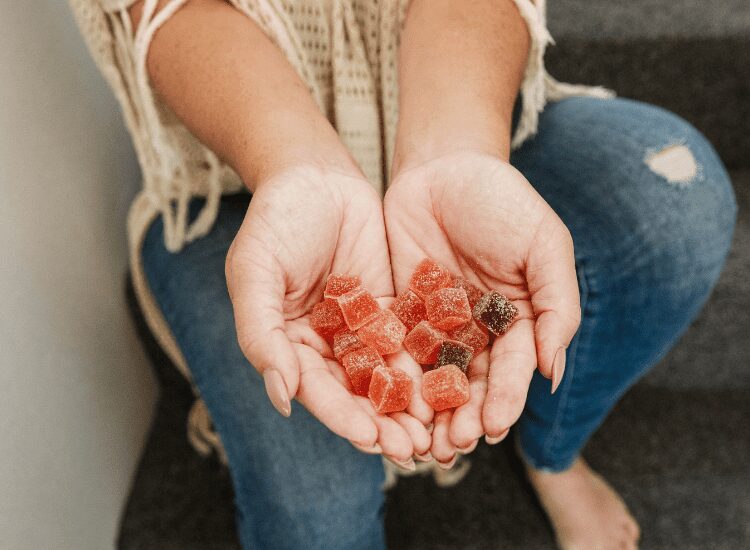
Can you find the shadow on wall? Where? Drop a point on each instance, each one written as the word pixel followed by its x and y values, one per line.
pixel 77 394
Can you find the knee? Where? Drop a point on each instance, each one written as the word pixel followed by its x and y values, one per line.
pixel 695 216
pixel 679 205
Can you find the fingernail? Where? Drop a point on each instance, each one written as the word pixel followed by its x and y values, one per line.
pixel 496 439
pixel 277 392
pixel 373 449
pixel 558 368
pixel 466 450
pixel 447 465
pixel 405 464
pixel 429 427
pixel 426 457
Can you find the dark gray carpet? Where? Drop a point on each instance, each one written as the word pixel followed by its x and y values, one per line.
pixel 677 447
pixel 648 19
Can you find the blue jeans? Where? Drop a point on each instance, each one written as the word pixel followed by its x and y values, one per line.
pixel 648 248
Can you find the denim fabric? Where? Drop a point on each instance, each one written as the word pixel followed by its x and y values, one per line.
pixel 296 484
pixel 648 252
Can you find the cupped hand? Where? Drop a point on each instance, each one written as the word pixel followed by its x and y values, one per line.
pixel 479 217
pixel 302 225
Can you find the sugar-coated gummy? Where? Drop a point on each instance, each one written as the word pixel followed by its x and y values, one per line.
pixel 358 307
pixel 453 352
pixel 448 308
pixel 423 343
pixel 390 389
pixel 336 285
pixel 326 318
pixel 345 341
pixel 409 308
pixel 495 312
pixel 472 335
pixel 359 365
pixel 384 332
pixel 428 277
pixel 472 293
pixel 445 387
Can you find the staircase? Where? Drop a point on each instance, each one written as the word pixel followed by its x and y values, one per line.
pixel 676 447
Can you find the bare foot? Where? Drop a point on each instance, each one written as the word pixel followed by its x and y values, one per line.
pixel 585 512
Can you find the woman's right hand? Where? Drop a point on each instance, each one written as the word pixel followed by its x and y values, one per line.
pixel 303 224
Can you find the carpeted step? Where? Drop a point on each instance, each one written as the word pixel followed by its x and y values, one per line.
pixel 689 56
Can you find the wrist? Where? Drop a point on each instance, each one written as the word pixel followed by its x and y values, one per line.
pixel 441 137
pixel 291 141
pixel 456 154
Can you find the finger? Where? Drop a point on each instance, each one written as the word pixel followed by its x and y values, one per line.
pixel 418 407
pixel 299 331
pixel 256 287
pixel 512 364
pixel 420 438
pixel 553 285
pixel 442 449
pixel 466 425
pixel 339 373
pixel 392 437
pixel 330 402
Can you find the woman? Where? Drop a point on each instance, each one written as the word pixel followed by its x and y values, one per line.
pixel 607 226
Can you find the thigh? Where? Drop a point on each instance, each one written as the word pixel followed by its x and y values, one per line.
pixel 296 483
pixel 651 211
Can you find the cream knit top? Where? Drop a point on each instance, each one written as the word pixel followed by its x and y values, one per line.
pixel 345 50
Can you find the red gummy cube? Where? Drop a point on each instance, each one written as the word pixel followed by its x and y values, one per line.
pixel 453 352
pixel 326 318
pixel 423 343
pixel 336 285
pixel 448 308
pixel 345 341
pixel 472 293
pixel 428 277
pixel 409 308
pixel 390 389
pixel 472 335
pixel 359 365
pixel 384 333
pixel 358 307
pixel 495 312
pixel 445 387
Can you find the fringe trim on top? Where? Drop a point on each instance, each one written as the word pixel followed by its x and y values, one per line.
pixel 538 86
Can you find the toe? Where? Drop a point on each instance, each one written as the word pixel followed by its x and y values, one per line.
pixel 633 528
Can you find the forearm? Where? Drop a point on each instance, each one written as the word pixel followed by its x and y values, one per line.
pixel 460 69
pixel 233 88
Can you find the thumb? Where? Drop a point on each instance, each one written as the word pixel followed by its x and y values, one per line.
pixel 257 288
pixel 553 285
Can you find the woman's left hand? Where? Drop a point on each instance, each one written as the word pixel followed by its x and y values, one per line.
pixel 480 218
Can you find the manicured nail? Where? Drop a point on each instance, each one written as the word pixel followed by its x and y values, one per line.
pixel 497 439
pixel 429 427
pixel 405 464
pixel 277 392
pixel 558 368
pixel 466 450
pixel 426 457
pixel 447 465
pixel 373 449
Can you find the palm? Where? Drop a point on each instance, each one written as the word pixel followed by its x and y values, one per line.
pixel 480 218
pixel 299 228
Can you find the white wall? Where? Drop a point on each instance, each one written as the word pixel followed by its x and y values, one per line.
pixel 76 394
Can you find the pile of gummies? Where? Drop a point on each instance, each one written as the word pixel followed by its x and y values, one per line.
pixel 442 320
